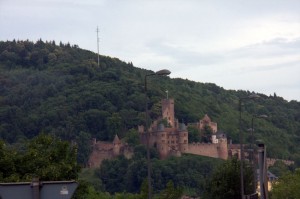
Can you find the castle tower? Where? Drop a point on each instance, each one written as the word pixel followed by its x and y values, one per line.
pixel 183 138
pixel 116 146
pixel 223 148
pixel 167 106
pixel 162 141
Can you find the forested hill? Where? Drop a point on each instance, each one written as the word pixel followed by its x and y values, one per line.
pixel 59 89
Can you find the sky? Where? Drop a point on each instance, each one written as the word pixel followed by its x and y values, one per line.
pixel 236 44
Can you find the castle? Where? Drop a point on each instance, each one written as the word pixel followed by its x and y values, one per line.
pixel 172 139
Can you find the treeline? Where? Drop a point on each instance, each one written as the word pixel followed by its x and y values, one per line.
pixel 71 98
pixel 59 89
pixel 189 172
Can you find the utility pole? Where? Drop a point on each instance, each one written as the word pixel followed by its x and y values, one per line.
pixel 98 44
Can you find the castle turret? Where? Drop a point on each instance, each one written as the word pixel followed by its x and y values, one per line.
pixel 183 138
pixel 222 145
pixel 167 106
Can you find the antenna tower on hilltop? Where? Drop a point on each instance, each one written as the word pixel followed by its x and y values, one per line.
pixel 98 44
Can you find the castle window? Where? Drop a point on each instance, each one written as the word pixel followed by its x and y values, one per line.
pixel 163 141
pixel 185 141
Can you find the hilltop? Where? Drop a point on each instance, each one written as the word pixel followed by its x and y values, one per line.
pixel 60 89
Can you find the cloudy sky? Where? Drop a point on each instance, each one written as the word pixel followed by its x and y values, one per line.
pixel 249 45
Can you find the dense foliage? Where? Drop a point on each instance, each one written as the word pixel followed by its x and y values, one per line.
pixel 225 181
pixel 86 191
pixel 60 90
pixel 280 168
pixel 188 172
pixel 45 157
pixel 287 186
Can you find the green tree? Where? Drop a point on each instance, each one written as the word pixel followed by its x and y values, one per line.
pixel 206 134
pixel 170 192
pixel 114 124
pixel 132 137
pixel 113 174
pixel 83 141
pixel 87 191
pixel 7 164
pixel 225 181
pixel 144 189
pixel 279 168
pixel 45 157
pixel 194 134
pixel 287 187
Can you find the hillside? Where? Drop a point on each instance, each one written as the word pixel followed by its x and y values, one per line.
pixel 60 89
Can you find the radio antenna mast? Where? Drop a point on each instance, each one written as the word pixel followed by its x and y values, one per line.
pixel 98 44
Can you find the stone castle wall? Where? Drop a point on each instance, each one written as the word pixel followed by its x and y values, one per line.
pixel 218 150
pixel 204 149
pixel 208 149
pixel 97 156
pixel 100 151
pixel 106 151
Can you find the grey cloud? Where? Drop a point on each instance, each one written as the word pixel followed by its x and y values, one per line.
pixel 274 47
pixel 184 56
pixel 269 67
